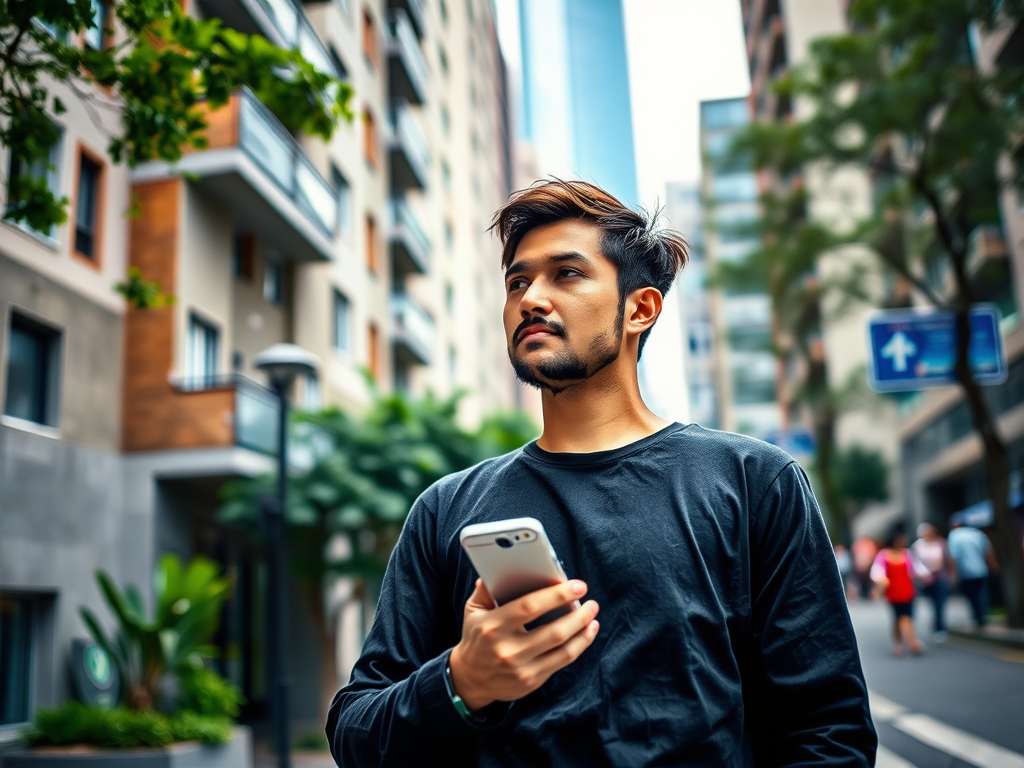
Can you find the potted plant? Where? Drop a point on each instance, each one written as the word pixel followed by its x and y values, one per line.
pixel 174 711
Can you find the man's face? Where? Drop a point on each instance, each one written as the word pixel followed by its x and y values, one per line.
pixel 563 321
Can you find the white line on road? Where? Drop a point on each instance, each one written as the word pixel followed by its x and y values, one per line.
pixel 945 738
pixel 888 759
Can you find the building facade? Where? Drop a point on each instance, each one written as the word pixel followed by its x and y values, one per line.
pixel 371 250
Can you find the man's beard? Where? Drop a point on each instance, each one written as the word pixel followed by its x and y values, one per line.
pixel 567 367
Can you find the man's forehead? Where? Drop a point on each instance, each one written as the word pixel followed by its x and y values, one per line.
pixel 567 237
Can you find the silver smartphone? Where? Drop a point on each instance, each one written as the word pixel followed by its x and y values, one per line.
pixel 514 558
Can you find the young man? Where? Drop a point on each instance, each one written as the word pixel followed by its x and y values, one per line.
pixel 714 630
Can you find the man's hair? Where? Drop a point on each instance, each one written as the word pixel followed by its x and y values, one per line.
pixel 643 255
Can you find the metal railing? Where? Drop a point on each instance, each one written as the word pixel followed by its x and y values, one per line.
pixel 255 408
pixel 294 28
pixel 402 215
pixel 273 149
pixel 412 321
pixel 406 130
pixel 403 40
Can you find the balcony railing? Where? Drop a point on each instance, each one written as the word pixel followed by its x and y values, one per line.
pixel 410 153
pixel 410 246
pixel 417 13
pixel 219 411
pixel 406 67
pixel 413 330
pixel 283 22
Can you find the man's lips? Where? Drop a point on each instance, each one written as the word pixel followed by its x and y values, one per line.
pixel 535 333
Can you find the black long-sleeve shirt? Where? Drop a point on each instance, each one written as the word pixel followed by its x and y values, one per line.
pixel 724 636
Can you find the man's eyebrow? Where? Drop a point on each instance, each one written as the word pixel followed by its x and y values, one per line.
pixel 523 266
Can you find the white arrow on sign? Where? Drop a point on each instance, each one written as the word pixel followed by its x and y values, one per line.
pixel 899 348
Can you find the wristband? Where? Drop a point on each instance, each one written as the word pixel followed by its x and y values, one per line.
pixel 457 702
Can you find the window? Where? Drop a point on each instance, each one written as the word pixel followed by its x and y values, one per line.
pixel 272 279
pixel 371 244
pixel 311 392
pixel 452 363
pixel 443 58
pixel 48 169
pixel 446 175
pixel 203 342
pixel 17 635
pixel 369 38
pixel 373 353
pixel 338 63
pixel 342 322
pixel 33 371
pixel 449 298
pixel 446 120
pixel 87 206
pixel 370 138
pixel 344 192
pixel 243 257
pixel 444 11
pixel 449 236
pixel 95 36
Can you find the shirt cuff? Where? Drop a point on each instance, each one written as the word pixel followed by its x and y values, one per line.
pixel 440 709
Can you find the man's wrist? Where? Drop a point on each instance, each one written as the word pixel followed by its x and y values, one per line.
pixel 458 702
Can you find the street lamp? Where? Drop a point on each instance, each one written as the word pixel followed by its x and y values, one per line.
pixel 282 363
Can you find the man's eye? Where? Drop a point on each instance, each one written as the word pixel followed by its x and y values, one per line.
pixel 515 285
pixel 569 272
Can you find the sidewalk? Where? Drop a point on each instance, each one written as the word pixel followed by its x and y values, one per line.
pixel 995 632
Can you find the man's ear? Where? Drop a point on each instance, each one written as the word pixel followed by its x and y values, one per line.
pixel 642 308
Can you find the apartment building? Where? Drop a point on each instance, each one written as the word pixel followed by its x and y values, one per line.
pixel 778 35
pixel 738 338
pixel 941 455
pixel 121 425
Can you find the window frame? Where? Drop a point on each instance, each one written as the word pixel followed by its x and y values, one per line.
pixel 99 210
pixel 339 301
pixel 53 169
pixel 31 669
pixel 273 287
pixel 208 378
pixel 52 385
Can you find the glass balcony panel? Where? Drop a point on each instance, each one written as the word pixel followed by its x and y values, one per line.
pixel 266 142
pixel 255 418
pixel 312 49
pixel 316 196
pixel 408 48
pixel 408 139
pixel 413 325
pixel 285 17
pixel 403 216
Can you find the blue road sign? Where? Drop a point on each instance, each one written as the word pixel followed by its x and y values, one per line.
pixel 916 348
pixel 796 441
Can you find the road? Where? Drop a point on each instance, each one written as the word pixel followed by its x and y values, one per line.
pixel 960 704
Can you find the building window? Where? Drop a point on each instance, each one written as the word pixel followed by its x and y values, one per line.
pixel 338 63
pixel 311 392
pixel 87 206
pixel 449 236
pixel 342 322
pixel 444 11
pixel 17 636
pixel 203 343
pixel 452 364
pixel 369 38
pixel 370 138
pixel 373 353
pixel 371 244
pixel 449 299
pixel 272 281
pixel 243 257
pixel 344 192
pixel 446 120
pixel 446 175
pixel 442 57
pixel 95 37
pixel 48 169
pixel 33 371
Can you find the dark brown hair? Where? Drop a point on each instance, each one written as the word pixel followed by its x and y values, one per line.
pixel 643 255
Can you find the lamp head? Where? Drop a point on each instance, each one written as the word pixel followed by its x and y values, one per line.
pixel 284 362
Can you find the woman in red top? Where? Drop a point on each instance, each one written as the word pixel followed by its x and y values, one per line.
pixel 895 569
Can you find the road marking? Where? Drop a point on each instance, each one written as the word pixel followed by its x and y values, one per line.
pixel 888 759
pixel 945 738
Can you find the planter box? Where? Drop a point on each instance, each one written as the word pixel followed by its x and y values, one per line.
pixel 188 754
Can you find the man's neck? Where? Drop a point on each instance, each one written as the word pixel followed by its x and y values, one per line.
pixel 599 414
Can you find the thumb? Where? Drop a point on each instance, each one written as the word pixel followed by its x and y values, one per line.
pixel 480 599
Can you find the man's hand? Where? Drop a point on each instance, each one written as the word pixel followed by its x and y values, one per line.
pixel 498 660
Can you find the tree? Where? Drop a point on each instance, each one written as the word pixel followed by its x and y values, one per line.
pixel 901 99
pixel 162 67
pixel 365 474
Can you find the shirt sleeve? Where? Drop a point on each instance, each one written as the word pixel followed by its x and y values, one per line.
pixel 804 690
pixel 395 710
pixel 878 572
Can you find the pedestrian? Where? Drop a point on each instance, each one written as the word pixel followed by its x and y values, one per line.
pixel 723 631
pixel 971 557
pixel 931 550
pixel 894 570
pixel 864 551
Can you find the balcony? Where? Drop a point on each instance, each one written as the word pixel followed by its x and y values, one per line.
pixel 407 70
pixel 408 148
pixel 259 172
pixel 408 243
pixel 986 251
pixel 282 22
pixel 416 11
pixel 412 331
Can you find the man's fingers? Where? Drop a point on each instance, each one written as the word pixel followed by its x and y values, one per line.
pixel 480 598
pixel 534 605
pixel 560 631
pixel 548 663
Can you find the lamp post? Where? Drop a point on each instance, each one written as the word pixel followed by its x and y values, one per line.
pixel 282 363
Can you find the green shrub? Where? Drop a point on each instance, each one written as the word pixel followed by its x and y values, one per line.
pixel 207 693
pixel 122 728
pixel 312 741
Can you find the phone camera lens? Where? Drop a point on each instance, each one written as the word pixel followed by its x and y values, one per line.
pixel 504 542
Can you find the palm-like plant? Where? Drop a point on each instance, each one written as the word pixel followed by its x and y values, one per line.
pixel 144 649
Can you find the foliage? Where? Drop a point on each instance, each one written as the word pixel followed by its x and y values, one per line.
pixel 863 475
pixel 312 741
pixel 206 693
pixel 145 650
pixel 123 728
pixel 141 293
pixel 157 70
pixel 366 474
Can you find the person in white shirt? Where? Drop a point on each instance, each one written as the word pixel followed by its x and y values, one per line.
pixel 931 550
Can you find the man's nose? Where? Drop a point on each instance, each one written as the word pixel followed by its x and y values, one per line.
pixel 535 299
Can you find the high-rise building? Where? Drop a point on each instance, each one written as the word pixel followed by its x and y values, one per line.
pixel 576 107
pixel 120 425
pixel 740 331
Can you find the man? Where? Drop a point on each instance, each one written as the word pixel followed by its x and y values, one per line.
pixel 930 549
pixel 972 555
pixel 714 631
